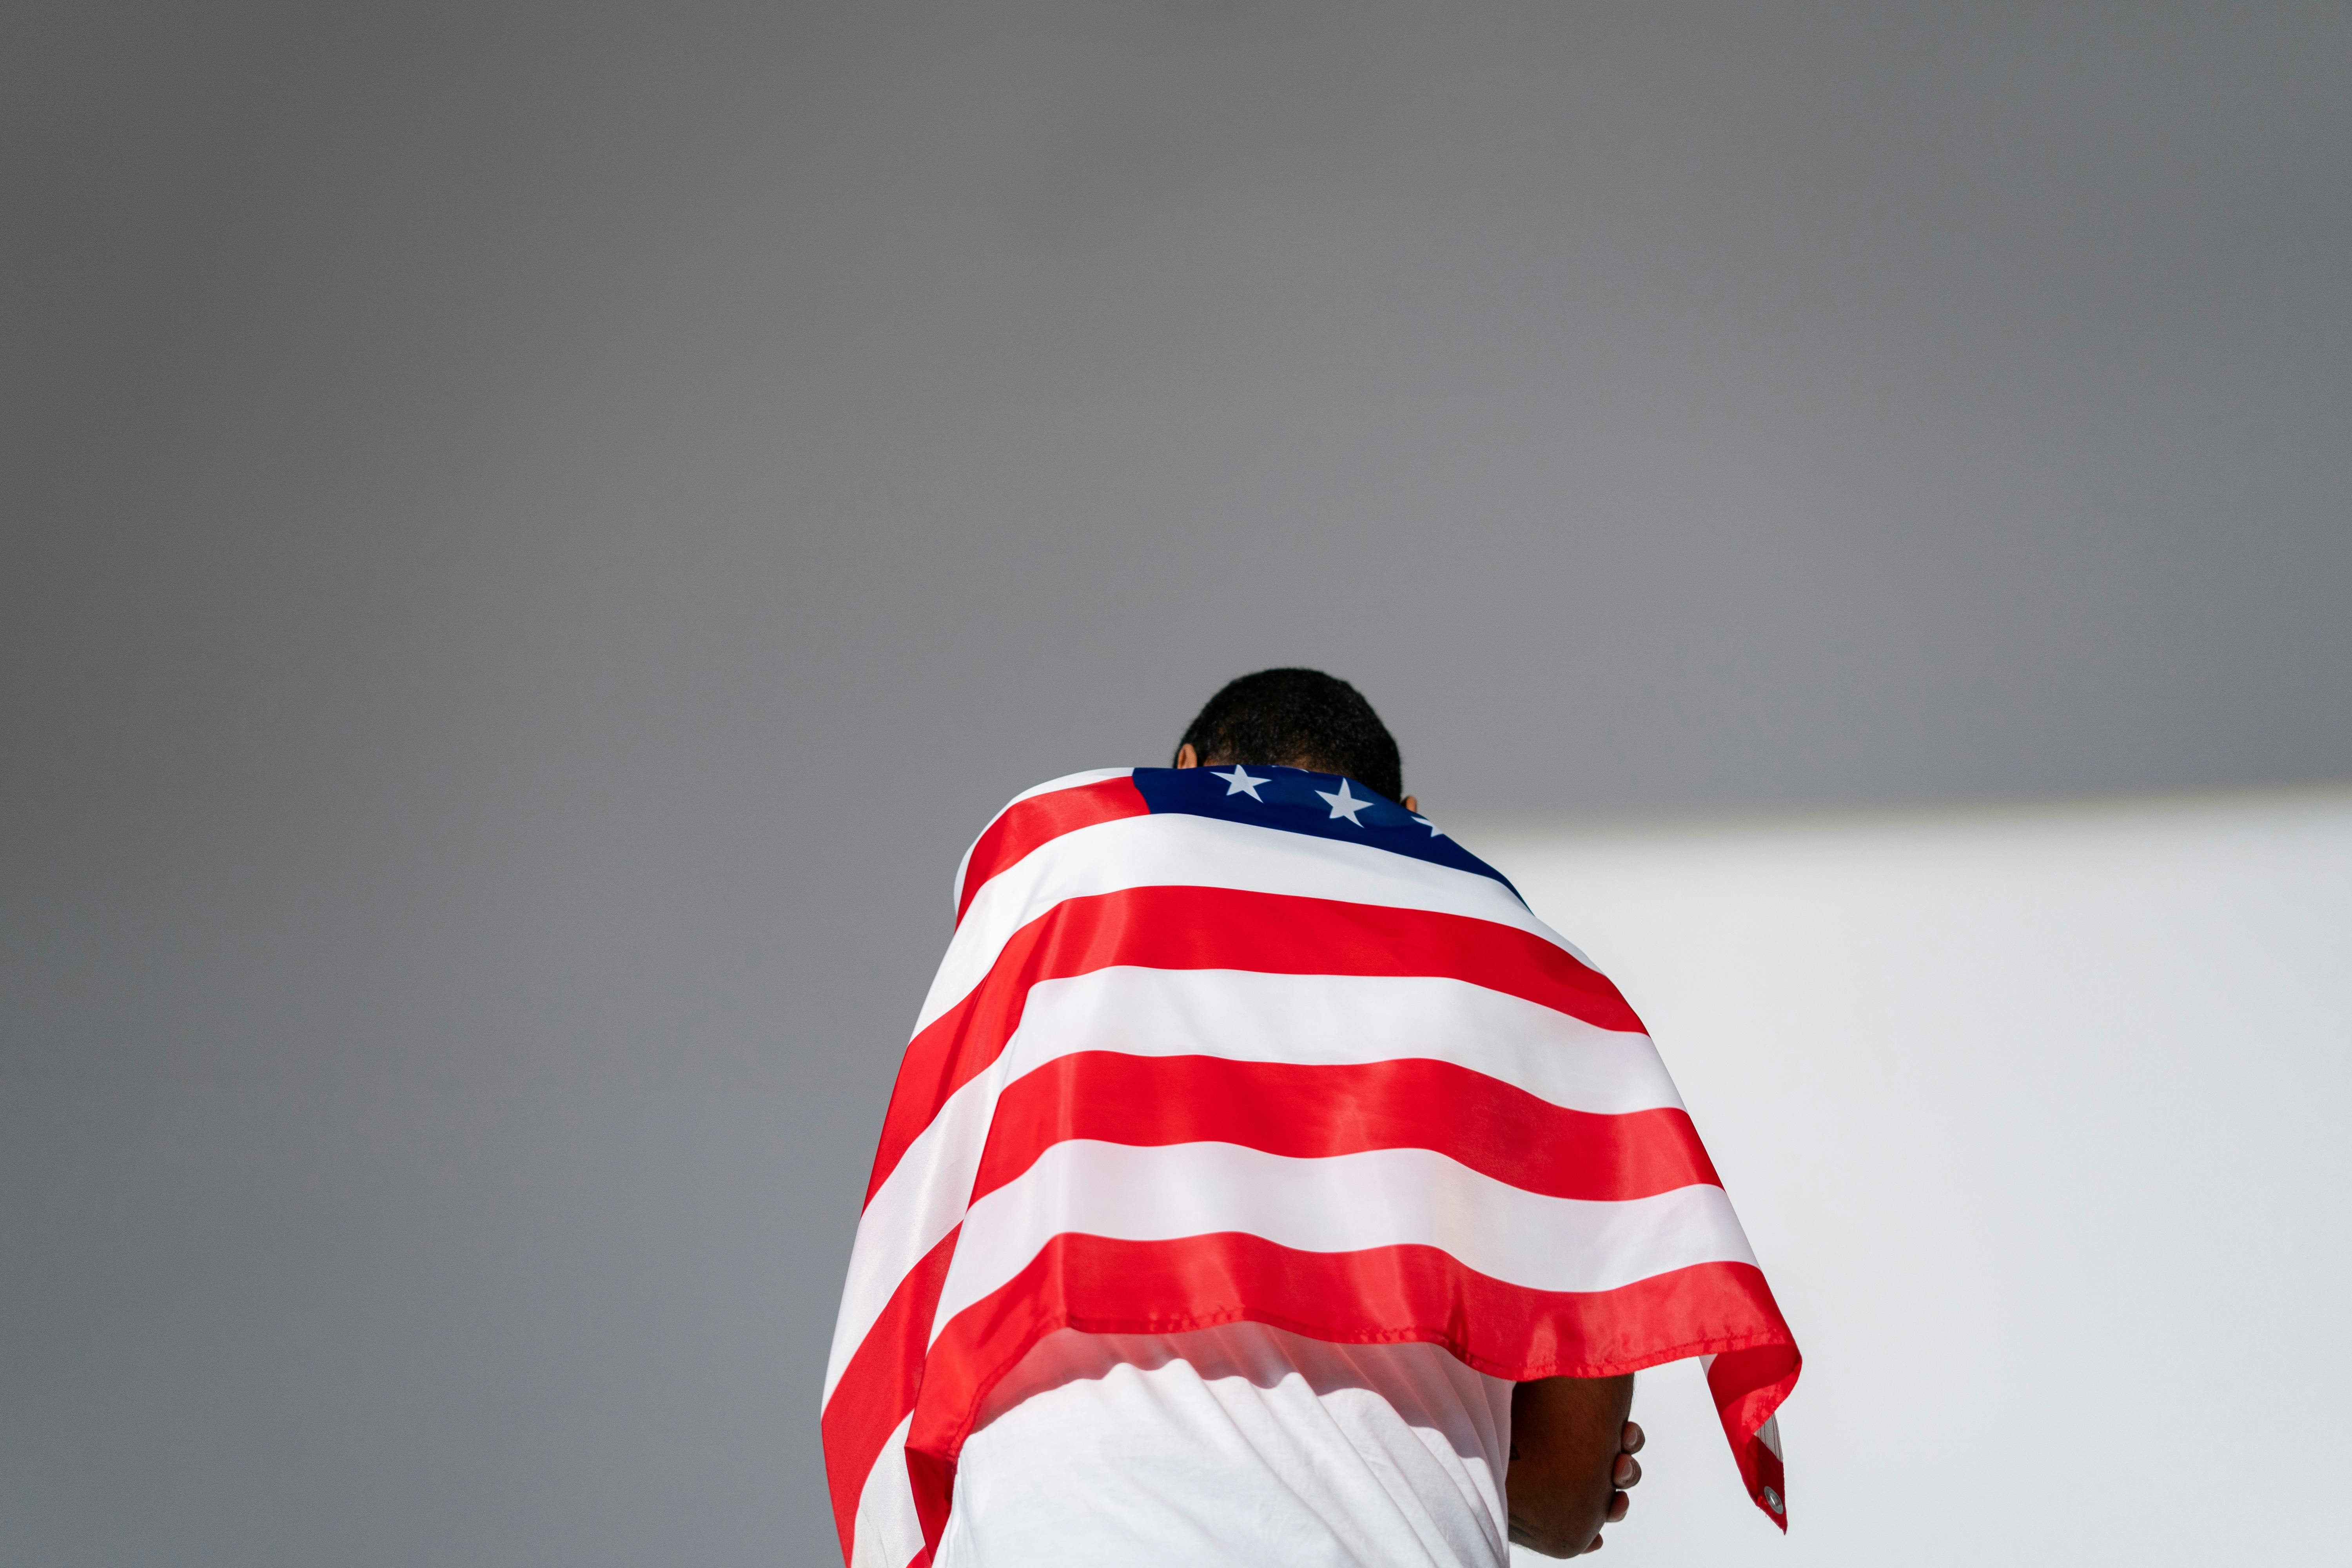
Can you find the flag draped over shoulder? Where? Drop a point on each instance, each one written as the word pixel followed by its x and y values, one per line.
pixel 1260 1044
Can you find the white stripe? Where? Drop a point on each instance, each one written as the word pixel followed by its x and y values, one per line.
pixel 912 1212
pixel 1311 1019
pixel 1068 781
pixel 887 1531
pixel 1331 1020
pixel 1345 1202
pixel 1769 1436
pixel 1179 850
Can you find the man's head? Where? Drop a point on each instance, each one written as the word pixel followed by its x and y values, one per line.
pixel 1296 719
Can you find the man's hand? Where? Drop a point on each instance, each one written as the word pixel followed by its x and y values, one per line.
pixel 1571 1461
pixel 1625 1474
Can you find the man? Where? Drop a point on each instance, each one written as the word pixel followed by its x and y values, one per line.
pixel 1255 1402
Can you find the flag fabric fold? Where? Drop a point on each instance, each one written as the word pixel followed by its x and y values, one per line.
pixel 1260 1044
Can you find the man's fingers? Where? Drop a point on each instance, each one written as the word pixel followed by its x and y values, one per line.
pixel 1632 1442
pixel 1595 1546
pixel 1618 1503
pixel 1627 1471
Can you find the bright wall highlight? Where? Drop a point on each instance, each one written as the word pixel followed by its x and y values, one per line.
pixel 2037 1119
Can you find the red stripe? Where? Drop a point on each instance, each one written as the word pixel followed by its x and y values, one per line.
pixel 1221 927
pixel 1042 819
pixel 1749 1386
pixel 878 1387
pixel 1382 1295
pixel 1308 1113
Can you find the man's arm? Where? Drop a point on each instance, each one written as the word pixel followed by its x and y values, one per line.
pixel 1571 1456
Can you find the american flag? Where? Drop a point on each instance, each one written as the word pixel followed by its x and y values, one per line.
pixel 1258 1044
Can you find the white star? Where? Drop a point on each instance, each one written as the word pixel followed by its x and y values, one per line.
pixel 1434 831
pixel 1342 804
pixel 1239 782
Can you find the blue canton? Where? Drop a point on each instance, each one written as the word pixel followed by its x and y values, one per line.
pixel 1322 805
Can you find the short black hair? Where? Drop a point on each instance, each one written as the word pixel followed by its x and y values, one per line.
pixel 1300 719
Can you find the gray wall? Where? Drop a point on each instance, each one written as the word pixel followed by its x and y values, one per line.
pixel 534 534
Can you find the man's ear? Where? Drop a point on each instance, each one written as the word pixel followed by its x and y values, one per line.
pixel 1186 757
pixel 1411 805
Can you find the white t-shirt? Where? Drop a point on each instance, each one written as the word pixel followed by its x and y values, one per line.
pixel 1241 1445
